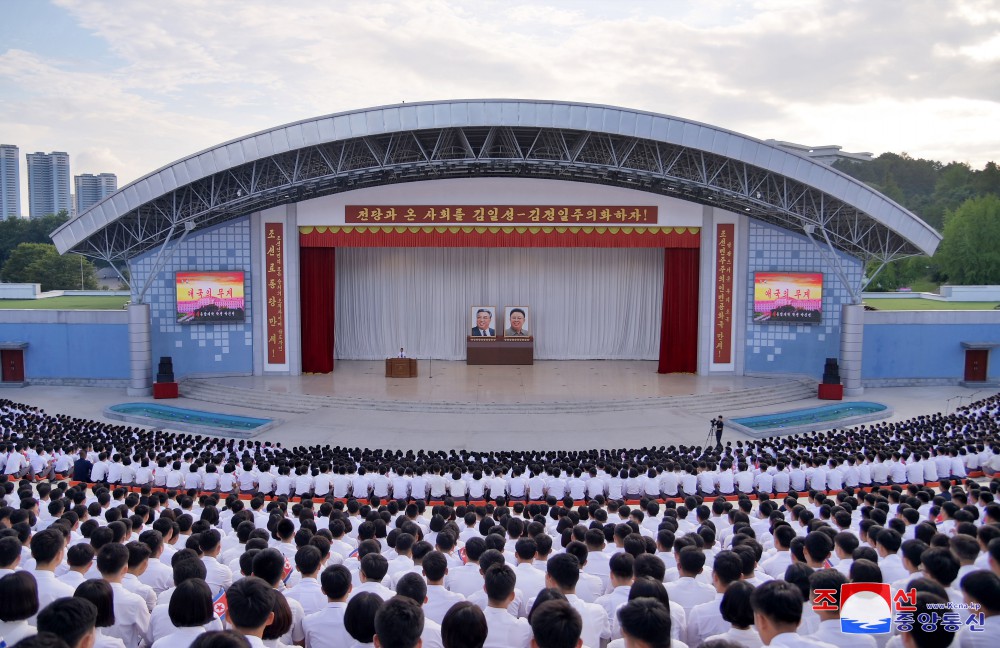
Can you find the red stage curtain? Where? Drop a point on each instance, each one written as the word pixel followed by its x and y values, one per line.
pixel 318 298
pixel 679 325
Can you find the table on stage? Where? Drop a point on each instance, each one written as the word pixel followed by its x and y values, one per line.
pixel 400 368
pixel 499 351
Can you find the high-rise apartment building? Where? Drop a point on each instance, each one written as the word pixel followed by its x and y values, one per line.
pixel 48 183
pixel 10 182
pixel 91 189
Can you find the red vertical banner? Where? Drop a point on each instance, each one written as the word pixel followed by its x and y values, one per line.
pixel 274 291
pixel 722 348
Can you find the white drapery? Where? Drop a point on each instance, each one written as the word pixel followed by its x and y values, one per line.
pixel 585 303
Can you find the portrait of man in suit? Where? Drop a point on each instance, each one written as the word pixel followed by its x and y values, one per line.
pixel 483 322
pixel 517 322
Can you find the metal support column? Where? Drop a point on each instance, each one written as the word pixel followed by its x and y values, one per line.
pixel 140 350
pixel 852 329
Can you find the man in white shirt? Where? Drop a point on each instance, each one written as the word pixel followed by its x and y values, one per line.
pixel 704 620
pixel 777 611
pixel 439 599
pixel 504 629
pixel 687 591
pixel 131 614
pixel 325 629
pixel 621 581
pixel 248 611
pixel 47 549
pixel 158 575
pixel 414 589
pixel 308 592
pixel 887 545
pixel 529 578
pixel 563 573
pixel 219 576
pixel 829 611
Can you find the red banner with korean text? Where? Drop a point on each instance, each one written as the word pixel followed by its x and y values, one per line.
pixel 722 349
pixel 274 291
pixel 501 214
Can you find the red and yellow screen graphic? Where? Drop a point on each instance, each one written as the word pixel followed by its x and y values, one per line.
pixel 210 297
pixel 788 297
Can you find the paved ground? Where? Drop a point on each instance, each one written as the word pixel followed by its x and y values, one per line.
pixel 490 431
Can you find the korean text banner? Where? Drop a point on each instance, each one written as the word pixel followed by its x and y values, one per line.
pixel 210 297
pixel 795 297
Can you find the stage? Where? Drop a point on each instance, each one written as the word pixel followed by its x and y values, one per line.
pixel 550 405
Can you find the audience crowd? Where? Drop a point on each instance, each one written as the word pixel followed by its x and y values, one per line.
pixel 117 536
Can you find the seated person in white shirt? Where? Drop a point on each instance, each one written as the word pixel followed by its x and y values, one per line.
pixel 399 623
pixel 251 607
pixel 464 625
pixel 777 612
pixel 554 624
pixel 645 623
pixel 72 619
pixel 938 635
pixel 829 612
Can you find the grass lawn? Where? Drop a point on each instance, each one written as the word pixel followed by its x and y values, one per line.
pixel 111 302
pixel 927 304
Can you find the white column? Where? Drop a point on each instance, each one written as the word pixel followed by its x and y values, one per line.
pixel 852 328
pixel 140 351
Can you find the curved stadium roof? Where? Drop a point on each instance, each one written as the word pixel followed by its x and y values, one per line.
pixel 498 138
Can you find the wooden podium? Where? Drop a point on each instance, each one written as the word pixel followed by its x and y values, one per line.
pixel 400 368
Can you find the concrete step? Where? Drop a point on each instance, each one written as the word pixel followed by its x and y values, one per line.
pixel 780 392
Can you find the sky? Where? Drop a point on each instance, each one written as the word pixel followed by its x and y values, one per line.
pixel 128 87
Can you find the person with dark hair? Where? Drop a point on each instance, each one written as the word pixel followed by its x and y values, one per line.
pixel 439 599
pixel 704 620
pixel 218 576
pixel 557 624
pixel 42 640
pixel 308 591
pixel 645 623
pixel 99 593
pixel 221 639
pixel 504 629
pixel 620 576
pixel 563 573
pixel 359 617
pixel 414 587
pixel 829 619
pixel 269 565
pixel 251 606
pixel 325 629
pixel 465 626
pixel 981 588
pixel 777 611
pixel 737 611
pixel 18 603
pixel 399 623
pixel 280 625
pixel 131 613
pixel 47 549
pixel 940 565
pixel 530 579
pixel 191 611
pixel 936 635
pixel 687 591
pixel 70 618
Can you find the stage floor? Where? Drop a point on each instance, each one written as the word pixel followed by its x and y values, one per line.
pixel 551 405
pixel 572 381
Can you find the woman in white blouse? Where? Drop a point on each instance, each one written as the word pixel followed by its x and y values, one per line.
pixel 99 593
pixel 18 603
pixel 190 609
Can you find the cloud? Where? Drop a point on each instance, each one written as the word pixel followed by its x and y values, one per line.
pixel 186 75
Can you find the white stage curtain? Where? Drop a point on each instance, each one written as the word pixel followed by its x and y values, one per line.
pixel 585 303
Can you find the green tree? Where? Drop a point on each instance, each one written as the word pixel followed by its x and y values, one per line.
pixel 970 251
pixel 40 263
pixel 15 231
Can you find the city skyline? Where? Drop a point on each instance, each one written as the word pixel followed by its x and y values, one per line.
pixel 151 83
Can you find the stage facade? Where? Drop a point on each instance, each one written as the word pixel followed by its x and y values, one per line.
pixel 629 235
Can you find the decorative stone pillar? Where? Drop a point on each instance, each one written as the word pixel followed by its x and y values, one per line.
pixel 852 328
pixel 140 351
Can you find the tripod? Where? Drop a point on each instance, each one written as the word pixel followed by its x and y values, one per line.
pixel 711 433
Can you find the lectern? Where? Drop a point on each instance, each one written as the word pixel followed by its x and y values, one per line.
pixel 400 368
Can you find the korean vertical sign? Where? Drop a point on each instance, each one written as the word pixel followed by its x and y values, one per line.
pixel 274 291
pixel 722 346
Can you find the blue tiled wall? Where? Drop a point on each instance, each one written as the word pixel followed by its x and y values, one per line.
pixel 61 351
pixel 924 350
pixel 200 348
pixel 794 348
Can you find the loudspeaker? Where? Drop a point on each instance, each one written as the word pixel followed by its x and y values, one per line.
pixel 831 372
pixel 165 371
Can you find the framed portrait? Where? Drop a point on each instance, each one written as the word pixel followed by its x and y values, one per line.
pixel 482 321
pixel 516 322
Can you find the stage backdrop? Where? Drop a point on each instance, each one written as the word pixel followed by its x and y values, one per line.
pixel 585 302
